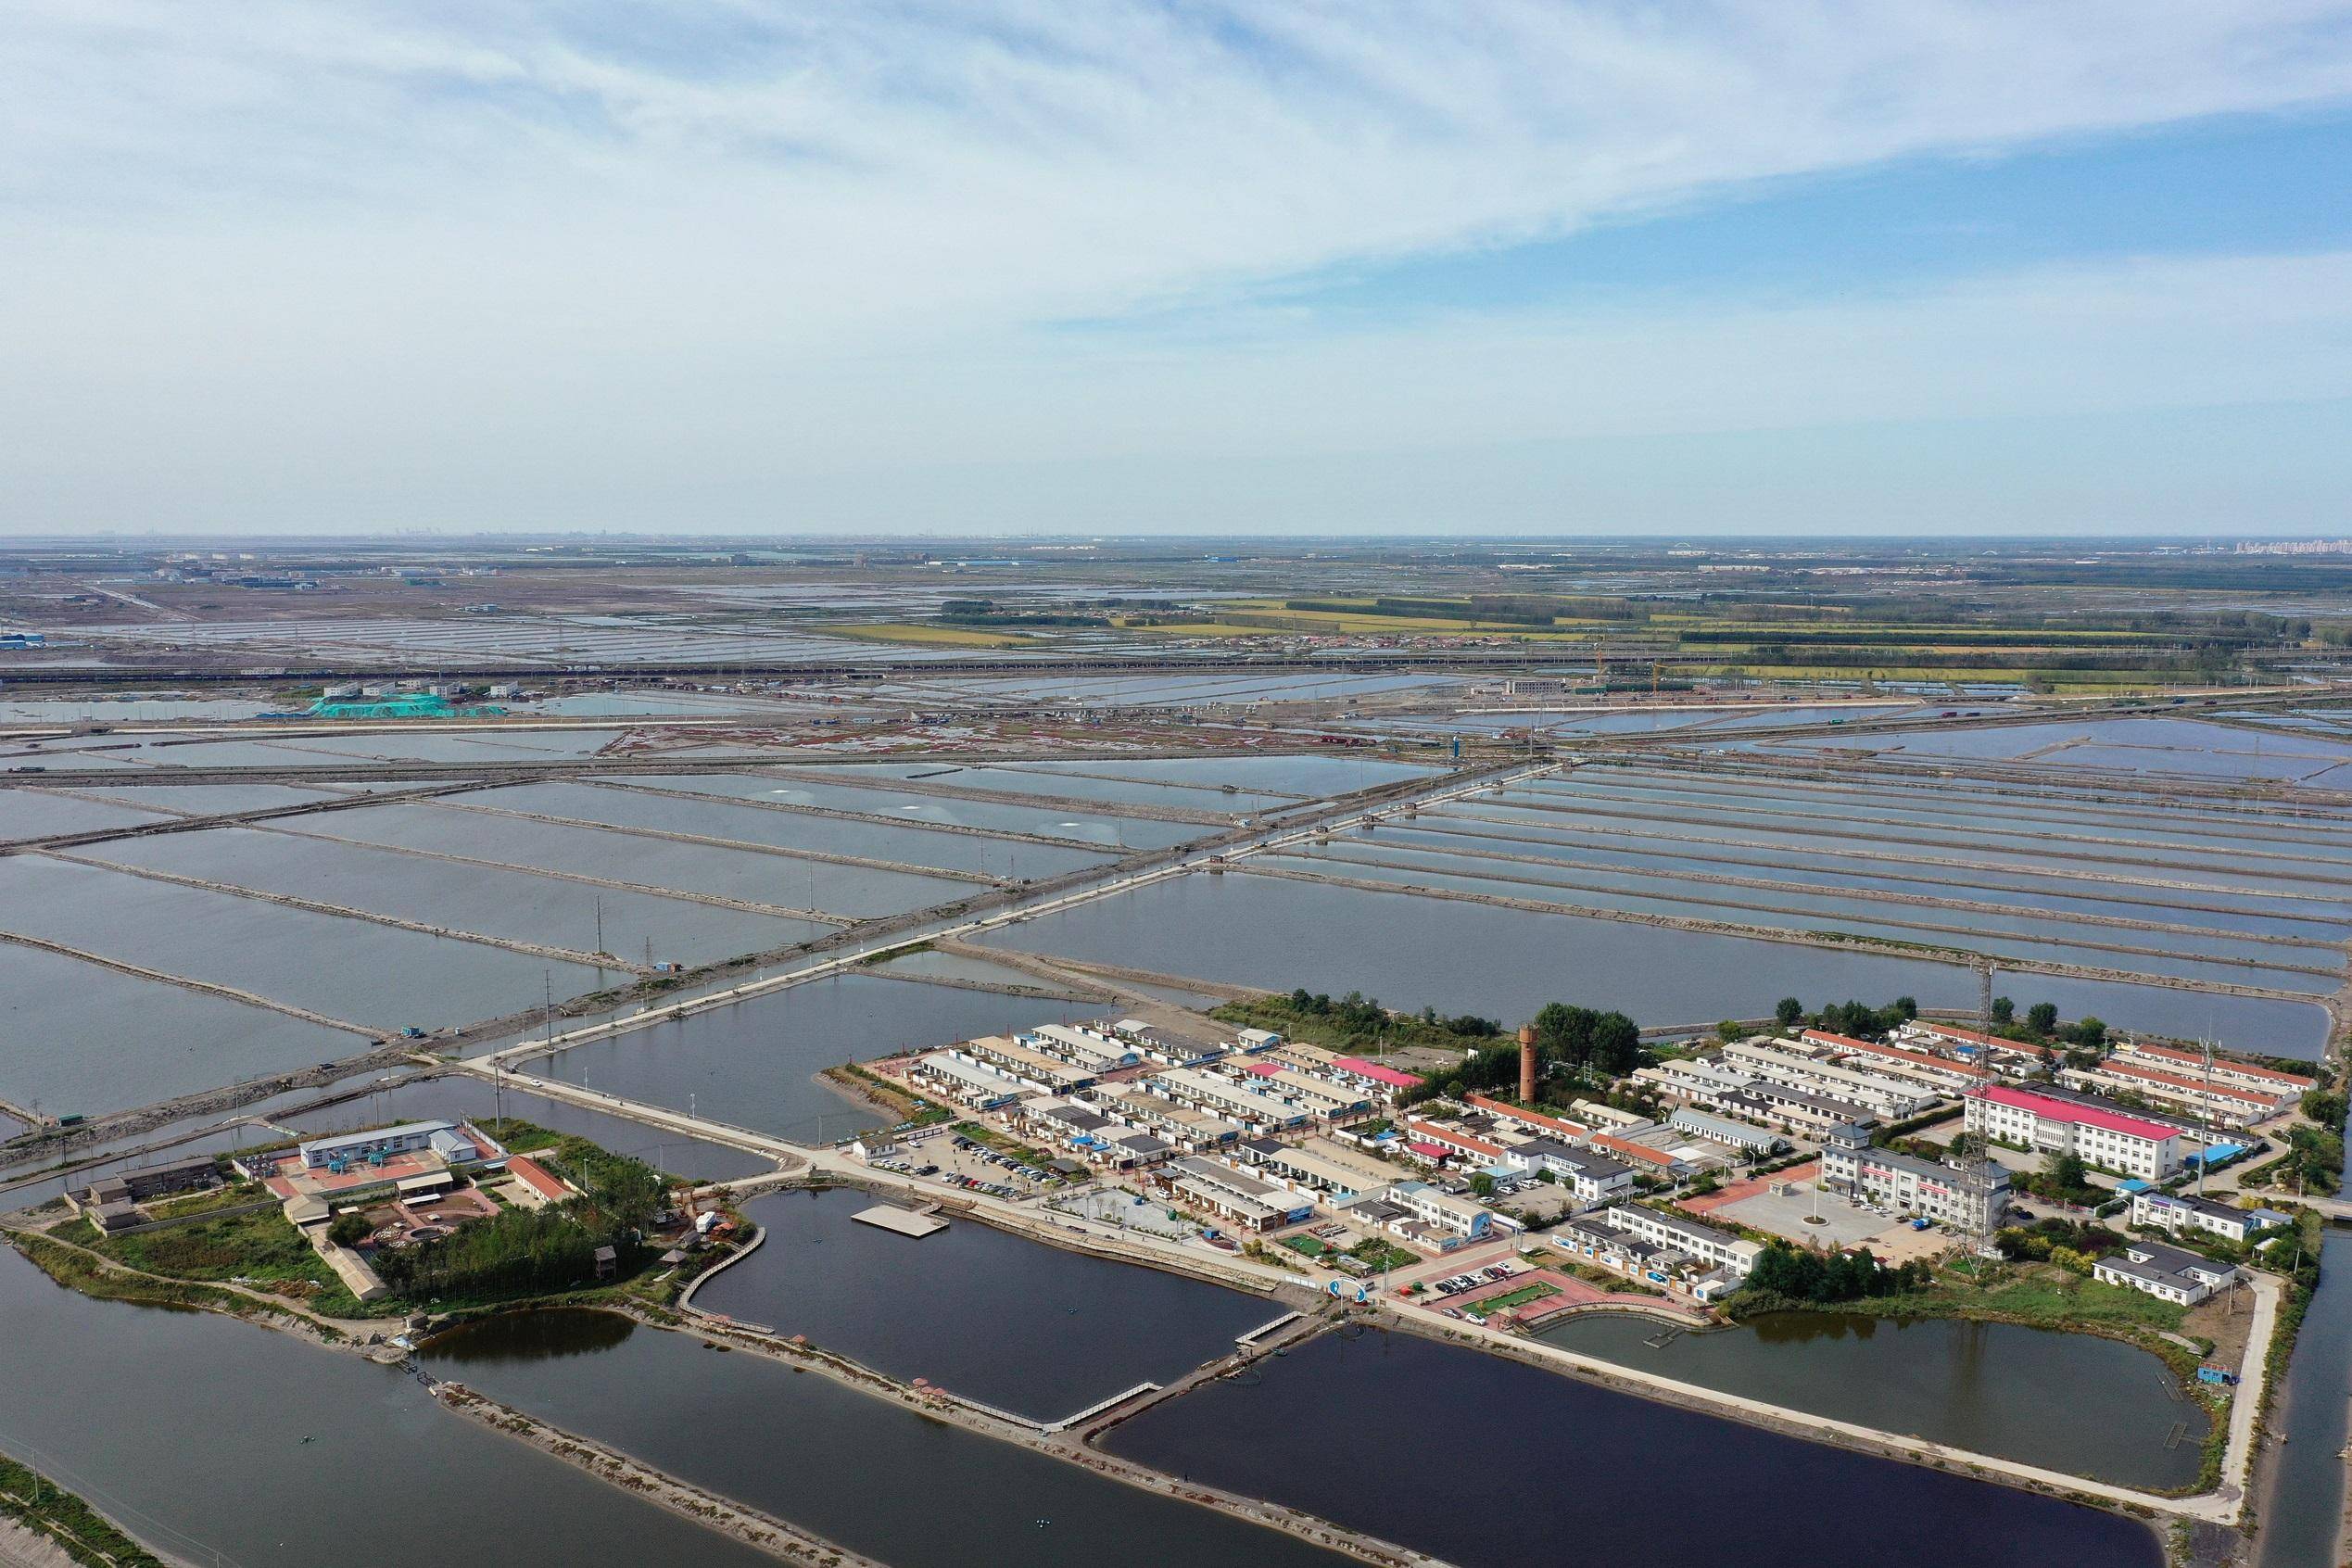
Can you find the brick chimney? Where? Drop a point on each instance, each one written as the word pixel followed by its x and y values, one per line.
pixel 1527 1064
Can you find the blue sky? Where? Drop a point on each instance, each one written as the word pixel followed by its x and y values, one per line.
pixel 2219 187
pixel 1536 266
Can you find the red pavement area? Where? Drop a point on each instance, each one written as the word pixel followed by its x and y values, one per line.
pixel 1574 1291
pixel 444 1213
pixel 326 1184
pixel 1733 1191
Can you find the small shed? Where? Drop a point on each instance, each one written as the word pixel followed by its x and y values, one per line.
pixel 117 1216
pixel 417 1189
pixel 608 1263
pixel 304 1211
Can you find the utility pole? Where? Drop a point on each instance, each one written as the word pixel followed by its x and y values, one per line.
pixel 2205 1116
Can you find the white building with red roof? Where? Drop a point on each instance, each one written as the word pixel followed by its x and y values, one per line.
pixel 2224 1103
pixel 1938 1071
pixel 1458 1144
pixel 2100 1134
pixel 1971 1043
pixel 2236 1074
pixel 1382 1079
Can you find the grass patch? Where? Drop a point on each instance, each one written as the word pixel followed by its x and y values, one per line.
pixel 34 1501
pixel 988 1137
pixel 1519 1298
pixel 564 1149
pixel 2041 1295
pixel 77 1271
pixel 876 1090
pixel 1381 1254
pixel 1350 1031
pixel 227 1197
pixel 261 1250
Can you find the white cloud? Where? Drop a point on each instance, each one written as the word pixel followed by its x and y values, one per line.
pixel 326 259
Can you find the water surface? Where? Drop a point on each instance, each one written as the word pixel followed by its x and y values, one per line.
pixel 1012 1323
pixel 80 1038
pixel 1382 1430
pixel 755 1063
pixel 1413 952
pixel 1971 1386
pixel 865 1472
pixel 198 1434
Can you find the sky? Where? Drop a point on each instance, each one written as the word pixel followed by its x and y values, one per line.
pixel 1288 267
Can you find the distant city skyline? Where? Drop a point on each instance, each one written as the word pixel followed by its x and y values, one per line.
pixel 1007 269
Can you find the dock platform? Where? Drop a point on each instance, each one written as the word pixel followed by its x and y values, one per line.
pixel 905 1222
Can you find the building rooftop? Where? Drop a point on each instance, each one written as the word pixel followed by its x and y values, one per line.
pixel 2174 1054
pixel 1377 1072
pixel 2207 1205
pixel 2168 1261
pixel 329 1144
pixel 2124 1066
pixel 2055 1110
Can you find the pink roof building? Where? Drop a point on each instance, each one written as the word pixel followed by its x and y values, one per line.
pixel 2053 1109
pixel 1376 1072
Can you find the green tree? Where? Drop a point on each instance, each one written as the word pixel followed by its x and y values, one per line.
pixel 1788 1010
pixel 2042 1016
pixel 1564 1033
pixel 350 1228
pixel 1616 1045
pixel 2004 1012
pixel 1483 1185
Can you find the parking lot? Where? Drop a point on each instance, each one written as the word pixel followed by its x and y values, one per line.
pixel 1117 1205
pixel 947 1156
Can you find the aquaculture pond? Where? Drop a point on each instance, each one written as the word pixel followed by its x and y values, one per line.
pixel 756 1063
pixel 1012 1323
pixel 1607 1470
pixel 1967 1384
pixel 1413 952
pixel 866 1473
pixel 220 1438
